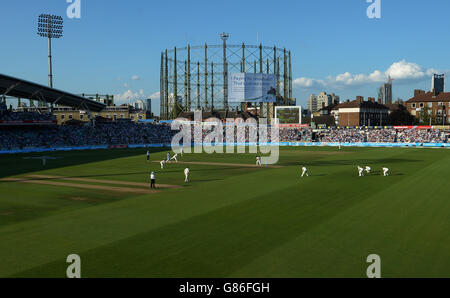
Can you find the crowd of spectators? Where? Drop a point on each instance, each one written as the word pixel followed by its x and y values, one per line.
pixel 32 116
pixel 295 135
pixel 421 136
pixel 382 135
pixel 102 134
pixel 387 135
pixel 342 136
pixel 128 133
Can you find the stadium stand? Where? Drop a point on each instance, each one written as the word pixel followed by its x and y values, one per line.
pixel 25 116
pixel 20 137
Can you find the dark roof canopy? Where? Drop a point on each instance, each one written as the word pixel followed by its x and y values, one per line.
pixel 10 86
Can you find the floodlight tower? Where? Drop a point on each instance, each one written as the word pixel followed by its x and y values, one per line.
pixel 50 26
pixel 224 36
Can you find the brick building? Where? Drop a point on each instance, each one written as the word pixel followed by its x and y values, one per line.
pixel 64 114
pixel 361 113
pixel 438 105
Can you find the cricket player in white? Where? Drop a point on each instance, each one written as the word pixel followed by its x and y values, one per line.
pixel 385 172
pixel 162 163
pixel 258 161
pixel 305 172
pixel 368 169
pixel 152 180
pixel 186 175
pixel 148 155
pixel 360 171
pixel 175 157
pixel 182 151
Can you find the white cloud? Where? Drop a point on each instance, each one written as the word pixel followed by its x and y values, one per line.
pixel 128 96
pixel 402 72
pixel 308 83
pixel 155 95
pixel 135 78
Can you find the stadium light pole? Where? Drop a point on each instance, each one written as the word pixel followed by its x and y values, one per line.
pixel 50 26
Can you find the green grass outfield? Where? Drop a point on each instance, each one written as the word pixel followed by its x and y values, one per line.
pixel 230 221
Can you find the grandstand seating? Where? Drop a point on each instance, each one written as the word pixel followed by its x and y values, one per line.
pixel 128 133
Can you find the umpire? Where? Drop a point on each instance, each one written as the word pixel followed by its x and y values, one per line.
pixel 152 180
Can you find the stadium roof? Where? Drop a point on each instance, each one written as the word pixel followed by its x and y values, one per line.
pixel 10 86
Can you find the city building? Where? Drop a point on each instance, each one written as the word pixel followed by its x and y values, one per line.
pixel 148 105
pixel 385 92
pixel 397 106
pixel 437 105
pixel 360 113
pixel 438 83
pixel 140 105
pixel 312 103
pixel 115 113
pixel 323 100
pixel 102 98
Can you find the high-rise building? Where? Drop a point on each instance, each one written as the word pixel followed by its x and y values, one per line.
pixel 335 99
pixel 385 92
pixel 312 103
pixel 324 100
pixel 139 105
pixel 149 105
pixel 438 83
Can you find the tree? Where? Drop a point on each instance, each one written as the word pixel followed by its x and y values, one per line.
pixel 424 116
pixel 401 117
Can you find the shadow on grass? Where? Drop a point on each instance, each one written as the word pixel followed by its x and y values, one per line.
pixel 356 162
pixel 58 177
pixel 15 164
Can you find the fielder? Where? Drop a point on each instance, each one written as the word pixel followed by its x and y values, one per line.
pixel 148 155
pixel 182 152
pixel 305 172
pixel 162 163
pixel 168 156
pixel 186 175
pixel 368 169
pixel 258 161
pixel 386 172
pixel 175 157
pixel 360 171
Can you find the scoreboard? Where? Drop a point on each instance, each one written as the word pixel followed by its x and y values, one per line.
pixel 288 115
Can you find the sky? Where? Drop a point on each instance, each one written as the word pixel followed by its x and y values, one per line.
pixel 115 46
